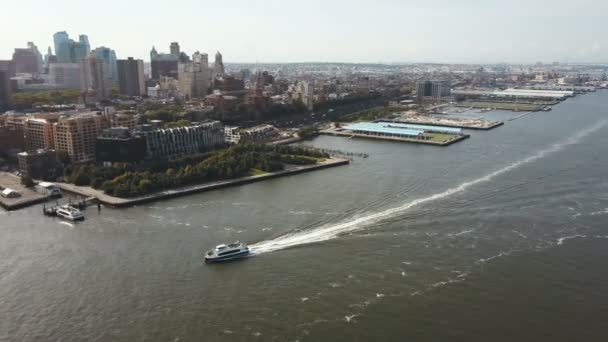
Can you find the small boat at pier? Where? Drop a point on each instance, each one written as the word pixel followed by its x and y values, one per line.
pixel 69 212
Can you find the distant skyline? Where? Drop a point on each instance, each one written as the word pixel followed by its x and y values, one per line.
pixel 382 31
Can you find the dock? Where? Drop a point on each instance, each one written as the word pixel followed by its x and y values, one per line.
pixel 351 135
pixel 52 210
pixel 473 124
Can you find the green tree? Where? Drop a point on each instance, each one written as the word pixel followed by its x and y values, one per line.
pixel 82 179
pixel 27 181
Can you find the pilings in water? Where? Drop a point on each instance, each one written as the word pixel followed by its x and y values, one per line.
pixel 344 154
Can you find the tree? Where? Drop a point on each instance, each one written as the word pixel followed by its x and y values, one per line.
pixel 27 181
pixel 308 132
pixel 82 179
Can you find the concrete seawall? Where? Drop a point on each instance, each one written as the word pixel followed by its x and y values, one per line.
pixel 192 189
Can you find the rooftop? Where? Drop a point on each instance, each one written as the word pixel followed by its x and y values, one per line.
pixel 384 128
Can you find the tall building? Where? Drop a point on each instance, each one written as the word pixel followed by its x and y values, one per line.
pixel 38 134
pixel 93 80
pixel 174 48
pixel 303 91
pixel 175 142
pixel 131 77
pixel 163 64
pixel 62 47
pixel 432 89
pixel 49 59
pixel 6 72
pixel 80 49
pixel 218 66
pixel 65 75
pixel 109 57
pixel 68 50
pixel 28 60
pixel 77 135
pixel 194 78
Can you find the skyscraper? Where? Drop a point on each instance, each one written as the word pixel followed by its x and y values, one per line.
pixel 62 47
pixel 109 57
pixel 218 67
pixel 195 77
pixel 6 72
pixel 93 79
pixel 174 48
pixel 163 64
pixel 28 60
pixel 69 51
pixel 80 49
pixel 131 77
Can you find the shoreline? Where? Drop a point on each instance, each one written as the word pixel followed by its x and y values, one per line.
pixel 118 202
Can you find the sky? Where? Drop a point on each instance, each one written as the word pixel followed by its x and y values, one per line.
pixel 379 31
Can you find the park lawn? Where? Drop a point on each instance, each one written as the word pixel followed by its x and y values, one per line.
pixel 501 105
pixel 440 137
pixel 257 172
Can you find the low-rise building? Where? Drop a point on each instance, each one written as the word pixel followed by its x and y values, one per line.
pixel 39 164
pixel 11 138
pixel 181 141
pixel 257 134
pixel 119 145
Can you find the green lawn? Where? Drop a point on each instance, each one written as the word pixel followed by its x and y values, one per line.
pixel 500 105
pixel 256 172
pixel 440 137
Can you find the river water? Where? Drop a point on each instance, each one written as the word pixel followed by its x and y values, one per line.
pixel 502 237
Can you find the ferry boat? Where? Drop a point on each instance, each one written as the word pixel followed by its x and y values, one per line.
pixel 70 213
pixel 227 252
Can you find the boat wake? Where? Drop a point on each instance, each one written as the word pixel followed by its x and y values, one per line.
pixel 328 232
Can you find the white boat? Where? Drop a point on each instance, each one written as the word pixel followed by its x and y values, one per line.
pixel 227 252
pixel 70 213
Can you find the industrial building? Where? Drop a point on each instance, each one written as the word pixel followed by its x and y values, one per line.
pixel 513 93
pixel 398 130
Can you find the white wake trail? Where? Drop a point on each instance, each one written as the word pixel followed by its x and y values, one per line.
pixel 328 232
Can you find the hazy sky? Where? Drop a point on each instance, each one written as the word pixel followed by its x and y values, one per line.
pixel 323 30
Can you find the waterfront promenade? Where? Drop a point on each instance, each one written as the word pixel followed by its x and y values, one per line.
pixel 191 189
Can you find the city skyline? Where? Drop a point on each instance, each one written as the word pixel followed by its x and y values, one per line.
pixel 385 31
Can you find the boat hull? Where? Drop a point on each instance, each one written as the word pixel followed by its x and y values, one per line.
pixel 226 258
pixel 73 219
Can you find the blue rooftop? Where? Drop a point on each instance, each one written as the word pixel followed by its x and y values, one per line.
pixel 424 127
pixel 384 128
